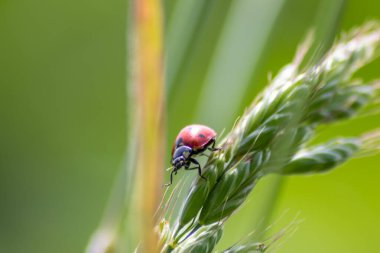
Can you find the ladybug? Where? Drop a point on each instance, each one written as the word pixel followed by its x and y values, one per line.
pixel 191 140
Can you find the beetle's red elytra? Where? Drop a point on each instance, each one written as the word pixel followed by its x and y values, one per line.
pixel 191 140
pixel 197 137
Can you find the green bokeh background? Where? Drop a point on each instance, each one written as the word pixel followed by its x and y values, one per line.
pixel 63 116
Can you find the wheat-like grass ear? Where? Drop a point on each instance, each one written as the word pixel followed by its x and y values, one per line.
pixel 272 136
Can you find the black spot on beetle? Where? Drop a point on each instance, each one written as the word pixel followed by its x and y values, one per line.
pixel 201 136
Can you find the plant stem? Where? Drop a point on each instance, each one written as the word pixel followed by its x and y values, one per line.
pixel 149 94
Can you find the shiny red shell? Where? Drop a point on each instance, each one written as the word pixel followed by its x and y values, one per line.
pixel 194 136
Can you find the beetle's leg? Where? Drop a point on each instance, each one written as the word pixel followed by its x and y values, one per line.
pixel 192 160
pixel 212 146
pixel 171 178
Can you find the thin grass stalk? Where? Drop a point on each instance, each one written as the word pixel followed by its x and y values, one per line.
pixel 148 87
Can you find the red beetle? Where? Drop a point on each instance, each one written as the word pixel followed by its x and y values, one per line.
pixel 191 140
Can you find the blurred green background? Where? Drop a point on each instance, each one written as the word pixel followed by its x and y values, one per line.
pixel 63 115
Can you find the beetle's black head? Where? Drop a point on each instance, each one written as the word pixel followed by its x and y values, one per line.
pixel 180 156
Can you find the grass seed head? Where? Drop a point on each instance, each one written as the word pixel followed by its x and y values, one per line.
pixel 271 135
